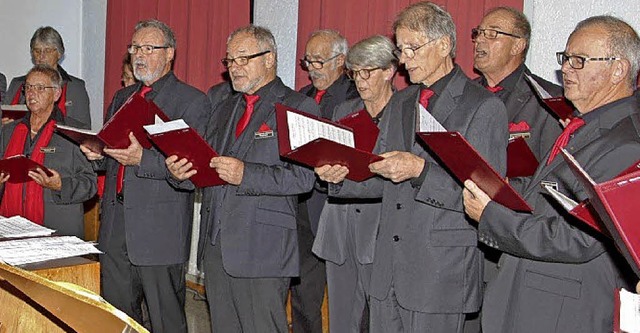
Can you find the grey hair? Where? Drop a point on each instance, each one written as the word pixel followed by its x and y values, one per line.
pixel 339 44
pixel 48 36
pixel 623 41
pixel 430 19
pixel 52 73
pixel 375 51
pixel 265 38
pixel 169 37
pixel 521 25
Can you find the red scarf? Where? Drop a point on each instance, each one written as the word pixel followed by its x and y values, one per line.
pixel 62 102
pixel 12 200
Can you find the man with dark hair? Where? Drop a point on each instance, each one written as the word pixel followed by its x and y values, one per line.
pixel 146 222
pixel 248 242
pixel 324 59
pixel 555 275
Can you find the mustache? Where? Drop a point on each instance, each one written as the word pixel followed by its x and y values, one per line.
pixel 139 62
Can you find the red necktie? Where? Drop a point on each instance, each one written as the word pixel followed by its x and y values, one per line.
pixel 248 111
pixel 564 137
pixel 120 177
pixel 494 89
pixel 425 94
pixel 319 95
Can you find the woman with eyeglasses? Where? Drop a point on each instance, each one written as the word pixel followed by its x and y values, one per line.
pixel 54 200
pixel 47 48
pixel 347 230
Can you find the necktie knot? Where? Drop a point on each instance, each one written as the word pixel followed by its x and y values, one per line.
pixel 563 138
pixel 425 94
pixel 251 99
pixel 319 95
pixel 144 90
pixel 248 111
pixel 494 89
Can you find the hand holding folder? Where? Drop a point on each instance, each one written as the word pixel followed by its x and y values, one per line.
pixel 314 142
pixel 132 115
pixel 464 162
pixel 177 138
pixel 18 168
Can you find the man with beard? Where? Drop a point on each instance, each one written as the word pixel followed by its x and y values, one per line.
pixel 248 242
pixel 324 59
pixel 146 222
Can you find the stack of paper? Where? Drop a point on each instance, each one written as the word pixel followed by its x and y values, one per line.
pixel 30 250
pixel 19 227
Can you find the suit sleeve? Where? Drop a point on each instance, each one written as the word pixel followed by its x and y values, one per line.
pixel 79 186
pixel 81 105
pixel 546 235
pixel 488 134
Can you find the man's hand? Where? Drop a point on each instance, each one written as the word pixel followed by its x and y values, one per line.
pixel 180 169
pixel 229 169
pixel 398 166
pixel 90 154
pixel 475 200
pixel 132 155
pixel 40 177
pixel 3 178
pixel 332 173
pixel 6 120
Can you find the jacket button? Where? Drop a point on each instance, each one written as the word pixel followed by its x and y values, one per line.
pixel 398 206
pixel 357 210
pixel 396 238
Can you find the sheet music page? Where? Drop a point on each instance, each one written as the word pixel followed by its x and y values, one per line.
pixel 30 250
pixel 566 202
pixel 541 92
pixel 18 226
pixel 629 311
pixel 16 107
pixel 75 129
pixel 427 123
pixel 303 130
pixel 163 127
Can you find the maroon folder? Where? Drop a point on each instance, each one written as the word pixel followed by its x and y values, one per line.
pixel 18 168
pixel 14 111
pixel 464 162
pixel 616 202
pixel 521 162
pixel 187 143
pixel 322 151
pixel 132 115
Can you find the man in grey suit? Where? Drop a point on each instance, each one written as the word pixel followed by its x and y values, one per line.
pixel 146 222
pixel 47 48
pixel 555 274
pixel 248 240
pixel 427 267
pixel 324 59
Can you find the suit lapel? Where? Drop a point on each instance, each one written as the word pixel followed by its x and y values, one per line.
pixel 518 98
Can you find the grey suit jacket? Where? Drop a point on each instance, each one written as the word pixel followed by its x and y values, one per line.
pixel 255 222
pixel 3 89
pixel 64 209
pixel 77 99
pixel 426 248
pixel 364 214
pixel 341 90
pixel 157 216
pixel 555 275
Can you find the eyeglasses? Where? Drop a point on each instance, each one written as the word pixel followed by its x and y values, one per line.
pixel 36 87
pixel 410 51
pixel 146 49
pixel 490 33
pixel 316 64
pixel 576 61
pixel 242 60
pixel 364 73
pixel 46 50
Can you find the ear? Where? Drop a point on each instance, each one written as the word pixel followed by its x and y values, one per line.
pixel 444 46
pixel 620 70
pixel 57 94
pixel 170 54
pixel 388 73
pixel 340 60
pixel 518 47
pixel 270 60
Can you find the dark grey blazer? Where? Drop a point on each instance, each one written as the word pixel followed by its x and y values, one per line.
pixel 555 275
pixel 364 214
pixel 157 216
pixel 341 90
pixel 425 244
pixel 64 209
pixel 3 89
pixel 255 222
pixel 77 99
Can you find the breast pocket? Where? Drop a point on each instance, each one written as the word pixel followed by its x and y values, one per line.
pixel 275 212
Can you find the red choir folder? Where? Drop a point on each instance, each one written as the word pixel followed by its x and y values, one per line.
pixel 132 115
pixel 14 111
pixel 521 162
pixel 615 202
pixel 464 162
pixel 177 138
pixel 18 168
pixel 583 211
pixel 558 105
pixel 316 150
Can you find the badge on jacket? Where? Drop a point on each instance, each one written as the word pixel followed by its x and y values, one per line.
pixel 263 132
pixel 48 150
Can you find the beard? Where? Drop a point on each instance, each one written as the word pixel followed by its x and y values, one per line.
pixel 148 76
